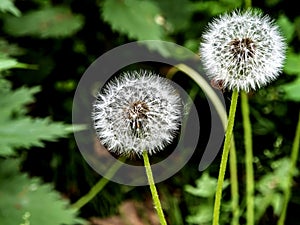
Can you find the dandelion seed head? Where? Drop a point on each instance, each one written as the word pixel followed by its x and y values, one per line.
pixel 137 111
pixel 243 50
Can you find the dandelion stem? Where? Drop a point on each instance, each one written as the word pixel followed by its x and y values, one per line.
pixel 294 157
pixel 99 185
pixel 225 153
pixel 202 83
pixel 248 158
pixel 154 193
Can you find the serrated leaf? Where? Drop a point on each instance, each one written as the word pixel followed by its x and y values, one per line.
pixel 20 131
pixel 8 6
pixel 275 180
pixel 205 186
pixel 134 18
pixel 28 200
pixel 44 23
pixel 13 101
pixel 27 132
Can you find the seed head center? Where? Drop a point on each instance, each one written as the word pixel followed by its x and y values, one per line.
pixel 242 49
pixel 136 114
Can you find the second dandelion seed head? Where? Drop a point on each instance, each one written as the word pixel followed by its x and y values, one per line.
pixel 138 111
pixel 243 50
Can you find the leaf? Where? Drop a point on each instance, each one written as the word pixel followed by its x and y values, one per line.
pixel 292 64
pixel 28 201
pixel 292 90
pixel 8 6
pixel 27 132
pixel 275 180
pixel 270 187
pixel 18 130
pixel 44 23
pixel 8 49
pixel 203 215
pixel 13 101
pixel 135 18
pixel 205 186
pixel 287 27
pixel 177 13
pixel 292 67
pixel 7 63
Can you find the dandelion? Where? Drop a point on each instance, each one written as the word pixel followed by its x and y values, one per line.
pixel 136 112
pixel 242 50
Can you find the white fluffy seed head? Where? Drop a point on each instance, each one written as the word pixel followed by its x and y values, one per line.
pixel 137 111
pixel 242 50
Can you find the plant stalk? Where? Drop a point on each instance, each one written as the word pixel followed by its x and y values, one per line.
pixel 234 184
pixel 248 158
pixel 154 193
pixel 98 186
pixel 224 159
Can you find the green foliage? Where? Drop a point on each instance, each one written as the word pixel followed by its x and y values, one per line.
pixel 18 130
pixel 137 19
pixel 271 186
pixel 292 90
pixel 49 34
pixel 7 49
pixel 287 27
pixel 176 14
pixel 44 22
pixel 27 199
pixel 8 6
pixel 216 7
pixel 205 190
pixel 8 63
pixel 292 64
pixel 292 67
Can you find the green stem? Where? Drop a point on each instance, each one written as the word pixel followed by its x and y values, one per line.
pixel 99 185
pixel 206 87
pixel 248 159
pixel 234 185
pixel 294 157
pixel 225 153
pixel 154 193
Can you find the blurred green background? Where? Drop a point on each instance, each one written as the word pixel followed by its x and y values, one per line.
pixel 45 47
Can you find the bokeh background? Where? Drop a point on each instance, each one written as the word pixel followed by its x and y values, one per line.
pixel 46 46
